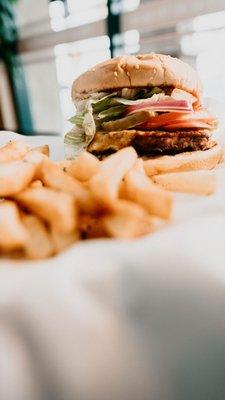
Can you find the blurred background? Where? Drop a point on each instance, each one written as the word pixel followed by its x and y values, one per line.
pixel 45 44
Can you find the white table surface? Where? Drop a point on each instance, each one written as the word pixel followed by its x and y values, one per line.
pixel 120 320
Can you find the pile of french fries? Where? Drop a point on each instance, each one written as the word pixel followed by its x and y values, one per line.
pixel 46 207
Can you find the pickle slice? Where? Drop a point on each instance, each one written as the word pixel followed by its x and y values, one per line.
pixel 127 122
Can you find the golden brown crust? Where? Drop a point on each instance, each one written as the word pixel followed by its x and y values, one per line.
pixel 145 70
pixel 151 142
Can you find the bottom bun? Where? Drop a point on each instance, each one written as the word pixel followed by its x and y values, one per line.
pixel 193 160
pixel 193 182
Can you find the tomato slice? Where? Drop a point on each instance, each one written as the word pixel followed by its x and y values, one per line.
pixel 161 120
pixel 202 114
pixel 194 119
pixel 187 125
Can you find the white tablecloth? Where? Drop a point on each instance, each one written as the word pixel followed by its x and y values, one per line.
pixel 113 320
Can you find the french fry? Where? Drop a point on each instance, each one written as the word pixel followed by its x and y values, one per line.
pixel 56 204
pixel 36 184
pixel 14 150
pixel 13 234
pixel 91 227
pixel 195 182
pixel 82 168
pixel 52 176
pixel 56 208
pixel 61 240
pixel 40 244
pixel 127 221
pixel 35 157
pixel 15 176
pixel 139 188
pixel 105 184
pixel 42 149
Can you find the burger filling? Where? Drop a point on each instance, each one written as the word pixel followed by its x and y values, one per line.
pixel 159 119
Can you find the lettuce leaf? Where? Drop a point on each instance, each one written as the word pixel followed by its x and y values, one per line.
pixel 89 124
pixel 74 141
pixel 77 120
pixel 83 131
pixel 99 108
pixel 103 103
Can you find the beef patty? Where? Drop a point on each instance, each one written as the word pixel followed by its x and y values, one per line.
pixel 151 142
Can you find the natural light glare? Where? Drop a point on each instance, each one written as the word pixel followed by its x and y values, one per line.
pixel 197 42
pixel 127 42
pixel 211 66
pixel 57 15
pixel 209 21
pixel 201 23
pixel 130 5
pixel 74 6
pixel 56 9
pixel 79 13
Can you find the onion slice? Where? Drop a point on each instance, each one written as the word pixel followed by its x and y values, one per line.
pixel 167 105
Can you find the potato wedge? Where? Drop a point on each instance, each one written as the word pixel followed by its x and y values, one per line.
pixel 139 188
pixel 56 208
pixel 195 182
pixel 13 234
pixel 105 184
pixel 15 176
pixel 127 221
pixel 40 244
pixel 82 168
pixel 14 150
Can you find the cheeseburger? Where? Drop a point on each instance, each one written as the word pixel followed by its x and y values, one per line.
pixel 151 102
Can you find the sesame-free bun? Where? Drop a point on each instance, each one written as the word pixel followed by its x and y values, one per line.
pixel 188 161
pixel 131 71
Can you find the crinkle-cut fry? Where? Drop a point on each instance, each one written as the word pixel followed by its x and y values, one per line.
pixel 194 182
pixel 127 221
pixel 13 150
pixel 13 234
pixel 63 240
pixel 15 176
pixel 81 168
pixel 56 208
pixel 53 177
pixel 142 190
pixel 105 184
pixel 40 244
